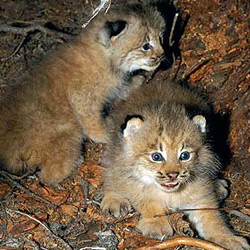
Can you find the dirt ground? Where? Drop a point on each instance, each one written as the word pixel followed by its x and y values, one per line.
pixel 211 47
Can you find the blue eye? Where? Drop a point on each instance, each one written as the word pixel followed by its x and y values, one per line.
pixel 157 157
pixel 184 156
pixel 146 46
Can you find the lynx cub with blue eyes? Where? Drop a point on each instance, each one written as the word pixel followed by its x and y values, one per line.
pixel 158 160
pixel 46 114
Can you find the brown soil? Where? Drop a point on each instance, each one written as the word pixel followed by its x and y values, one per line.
pixel 213 41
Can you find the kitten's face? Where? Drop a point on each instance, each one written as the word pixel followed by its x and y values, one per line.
pixel 168 156
pixel 145 53
pixel 169 164
pixel 135 42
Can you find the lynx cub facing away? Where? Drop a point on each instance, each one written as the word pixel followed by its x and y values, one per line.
pixel 157 160
pixel 45 115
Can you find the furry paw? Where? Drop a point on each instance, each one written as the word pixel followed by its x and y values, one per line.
pixel 116 205
pixel 55 173
pixel 158 228
pixel 232 242
pixel 221 189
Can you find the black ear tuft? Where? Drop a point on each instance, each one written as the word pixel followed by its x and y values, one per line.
pixel 130 117
pixel 115 28
pixel 111 31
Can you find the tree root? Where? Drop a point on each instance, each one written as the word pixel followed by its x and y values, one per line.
pixel 182 241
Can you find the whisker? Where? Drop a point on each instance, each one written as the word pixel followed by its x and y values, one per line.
pixel 166 61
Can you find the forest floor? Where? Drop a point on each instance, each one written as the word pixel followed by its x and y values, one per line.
pixel 213 41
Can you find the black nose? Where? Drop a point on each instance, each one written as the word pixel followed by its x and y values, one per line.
pixel 172 175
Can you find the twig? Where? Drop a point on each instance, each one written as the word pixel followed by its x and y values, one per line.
pixel 170 39
pixel 22 30
pixel 182 241
pixel 174 68
pixel 14 183
pixel 195 66
pixel 171 43
pixel 14 52
pixel 85 189
pixel 104 4
pixel 64 243
pixel 20 177
pixel 73 226
pixel 10 212
pixel 194 209
pixel 240 215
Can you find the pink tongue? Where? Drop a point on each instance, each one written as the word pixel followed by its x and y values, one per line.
pixel 170 184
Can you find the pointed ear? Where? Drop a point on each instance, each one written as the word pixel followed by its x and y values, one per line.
pixel 132 127
pixel 111 31
pixel 200 122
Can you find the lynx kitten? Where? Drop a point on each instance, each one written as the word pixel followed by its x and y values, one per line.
pixel 54 105
pixel 157 160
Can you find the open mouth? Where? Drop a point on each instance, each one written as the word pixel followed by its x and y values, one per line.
pixel 151 66
pixel 154 63
pixel 170 184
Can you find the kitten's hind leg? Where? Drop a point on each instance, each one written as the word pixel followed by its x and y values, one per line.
pixel 211 226
pixel 116 204
pixel 59 158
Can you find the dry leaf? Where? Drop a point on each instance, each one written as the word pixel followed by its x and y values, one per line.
pixel 93 173
pixel 4 189
pixel 69 209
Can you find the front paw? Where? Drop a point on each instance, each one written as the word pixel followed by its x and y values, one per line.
pixel 232 242
pixel 221 189
pixel 116 205
pixel 155 227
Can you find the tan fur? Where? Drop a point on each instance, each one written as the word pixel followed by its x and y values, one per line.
pixel 48 111
pixel 169 120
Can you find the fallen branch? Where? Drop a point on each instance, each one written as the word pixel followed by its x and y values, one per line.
pixel 65 245
pixel 182 241
pixel 32 28
pixel 22 30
